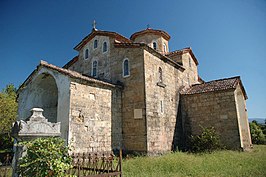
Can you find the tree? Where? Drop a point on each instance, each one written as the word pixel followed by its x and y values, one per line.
pixel 8 108
pixel 45 157
pixel 8 114
pixel 256 132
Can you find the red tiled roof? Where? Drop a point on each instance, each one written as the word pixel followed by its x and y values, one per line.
pixel 115 35
pixel 71 62
pixel 183 51
pixel 215 85
pixel 162 33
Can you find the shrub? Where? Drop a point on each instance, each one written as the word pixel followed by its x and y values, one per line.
pixel 207 141
pixel 45 157
pixel 256 132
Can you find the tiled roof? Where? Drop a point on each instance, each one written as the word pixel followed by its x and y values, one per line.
pixel 70 73
pixel 71 62
pixel 215 85
pixel 183 51
pixel 164 34
pixel 115 35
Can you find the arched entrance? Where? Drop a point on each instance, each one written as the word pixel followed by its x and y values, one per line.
pixel 44 94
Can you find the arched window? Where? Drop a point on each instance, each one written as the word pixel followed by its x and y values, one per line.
pixel 164 48
pixel 86 53
pixel 95 44
pixel 104 46
pixel 154 45
pixel 94 68
pixel 126 71
pixel 160 72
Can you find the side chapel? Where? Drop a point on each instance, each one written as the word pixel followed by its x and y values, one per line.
pixel 133 93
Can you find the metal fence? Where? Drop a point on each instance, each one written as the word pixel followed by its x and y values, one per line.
pixel 83 165
pixel 5 167
pixel 95 165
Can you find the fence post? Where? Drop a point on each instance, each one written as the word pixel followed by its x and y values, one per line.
pixel 120 162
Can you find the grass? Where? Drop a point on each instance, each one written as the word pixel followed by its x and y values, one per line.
pixel 221 163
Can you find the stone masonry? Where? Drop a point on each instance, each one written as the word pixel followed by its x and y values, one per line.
pixel 135 94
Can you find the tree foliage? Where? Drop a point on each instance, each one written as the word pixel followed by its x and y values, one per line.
pixel 257 135
pixel 207 141
pixel 45 157
pixel 8 108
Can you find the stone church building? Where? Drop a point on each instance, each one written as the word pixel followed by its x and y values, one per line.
pixel 133 93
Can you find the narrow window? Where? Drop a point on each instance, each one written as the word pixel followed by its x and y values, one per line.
pixel 160 72
pixel 94 68
pixel 86 53
pixel 164 48
pixel 104 46
pixel 161 106
pixel 154 45
pixel 189 62
pixel 126 68
pixel 95 43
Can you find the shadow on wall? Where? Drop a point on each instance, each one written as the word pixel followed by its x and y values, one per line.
pixel 116 120
pixel 44 94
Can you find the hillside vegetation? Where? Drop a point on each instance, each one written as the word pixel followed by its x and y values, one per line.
pixel 222 163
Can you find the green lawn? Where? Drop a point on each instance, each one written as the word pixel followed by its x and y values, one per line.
pixel 223 163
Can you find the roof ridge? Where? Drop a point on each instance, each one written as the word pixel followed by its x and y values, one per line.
pixel 95 32
pixel 164 33
pixel 179 50
pixel 216 85
pixel 227 78
pixel 74 74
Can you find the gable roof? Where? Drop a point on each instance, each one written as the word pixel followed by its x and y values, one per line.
pixel 162 33
pixel 95 32
pixel 71 62
pixel 183 51
pixel 215 85
pixel 67 72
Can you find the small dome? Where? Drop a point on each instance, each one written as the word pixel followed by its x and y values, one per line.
pixel 162 33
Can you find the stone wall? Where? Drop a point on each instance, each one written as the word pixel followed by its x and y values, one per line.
pixel 111 67
pixel 242 119
pixel 95 118
pixel 48 90
pixel 133 104
pixel 161 104
pixel 150 38
pixel 84 65
pixel 190 75
pixel 212 109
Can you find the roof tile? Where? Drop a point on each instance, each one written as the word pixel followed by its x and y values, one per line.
pixel 215 85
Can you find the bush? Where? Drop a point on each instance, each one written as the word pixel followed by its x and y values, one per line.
pixel 207 141
pixel 257 134
pixel 45 157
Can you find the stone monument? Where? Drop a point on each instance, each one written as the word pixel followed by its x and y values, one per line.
pixel 37 126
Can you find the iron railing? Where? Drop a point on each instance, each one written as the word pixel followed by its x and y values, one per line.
pixel 83 165
pixel 94 165
pixel 5 167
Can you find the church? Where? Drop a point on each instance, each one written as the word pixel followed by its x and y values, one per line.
pixel 135 94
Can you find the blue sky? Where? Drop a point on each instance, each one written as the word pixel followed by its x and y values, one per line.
pixel 228 37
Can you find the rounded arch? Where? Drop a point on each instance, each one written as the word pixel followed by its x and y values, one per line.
pixel 126 67
pixel 94 67
pixel 154 45
pixel 43 93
